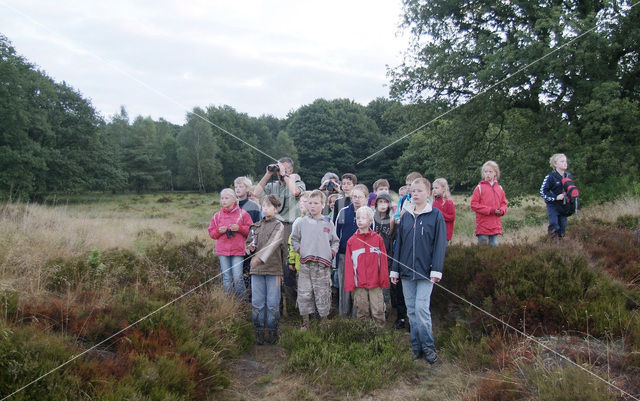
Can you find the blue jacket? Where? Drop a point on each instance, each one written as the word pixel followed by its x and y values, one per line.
pixel 345 226
pixel 552 186
pixel 421 245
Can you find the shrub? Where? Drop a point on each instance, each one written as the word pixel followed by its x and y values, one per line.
pixel 539 289
pixel 26 354
pixel 566 384
pixel 348 355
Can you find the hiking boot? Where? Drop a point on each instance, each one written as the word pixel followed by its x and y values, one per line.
pixel 417 355
pixel 260 336
pixel 398 324
pixel 273 336
pixel 430 355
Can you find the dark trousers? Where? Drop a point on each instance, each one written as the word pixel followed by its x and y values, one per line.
pixel 289 292
pixel 397 300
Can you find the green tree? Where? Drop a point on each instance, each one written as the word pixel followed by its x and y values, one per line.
pixel 50 136
pixel 333 136
pixel 199 166
pixel 526 91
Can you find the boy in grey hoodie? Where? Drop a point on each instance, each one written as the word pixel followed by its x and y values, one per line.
pixel 314 238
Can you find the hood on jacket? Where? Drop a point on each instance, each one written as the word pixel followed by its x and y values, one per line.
pixel 384 196
pixel 410 207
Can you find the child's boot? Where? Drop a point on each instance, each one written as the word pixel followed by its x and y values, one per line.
pixel 260 336
pixel 273 336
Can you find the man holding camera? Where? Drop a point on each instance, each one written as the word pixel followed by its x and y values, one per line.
pixel 329 185
pixel 288 190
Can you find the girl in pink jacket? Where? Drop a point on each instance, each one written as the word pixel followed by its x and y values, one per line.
pixel 230 227
pixel 490 204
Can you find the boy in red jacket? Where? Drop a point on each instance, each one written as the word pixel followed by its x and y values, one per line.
pixel 366 271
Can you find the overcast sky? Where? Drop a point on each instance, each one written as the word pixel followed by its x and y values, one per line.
pixel 161 58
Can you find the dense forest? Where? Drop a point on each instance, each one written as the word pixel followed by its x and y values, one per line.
pixel 510 81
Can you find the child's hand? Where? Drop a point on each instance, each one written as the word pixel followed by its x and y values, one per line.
pixel 333 253
pixel 560 197
pixel 292 268
pixel 498 212
pixel 222 229
pixel 394 280
pixel 255 262
pixel 252 248
pixel 234 227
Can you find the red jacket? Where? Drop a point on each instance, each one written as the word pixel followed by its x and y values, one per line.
pixel 365 263
pixel 448 210
pixel 233 245
pixel 485 200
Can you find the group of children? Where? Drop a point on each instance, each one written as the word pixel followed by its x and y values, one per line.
pixel 370 251
pixel 354 239
pixel 379 253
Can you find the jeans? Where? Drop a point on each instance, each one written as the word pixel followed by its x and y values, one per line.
pixel 265 300
pixel 488 239
pixel 557 223
pixel 231 267
pixel 417 297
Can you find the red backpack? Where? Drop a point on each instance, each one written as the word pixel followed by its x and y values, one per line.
pixel 571 197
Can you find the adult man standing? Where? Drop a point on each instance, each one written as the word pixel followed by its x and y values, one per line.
pixel 288 190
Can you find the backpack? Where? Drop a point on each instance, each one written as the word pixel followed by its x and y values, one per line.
pixel 570 202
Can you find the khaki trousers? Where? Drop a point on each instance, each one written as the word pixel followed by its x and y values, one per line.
pixel 369 304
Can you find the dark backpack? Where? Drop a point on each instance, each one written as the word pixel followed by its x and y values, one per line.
pixel 570 202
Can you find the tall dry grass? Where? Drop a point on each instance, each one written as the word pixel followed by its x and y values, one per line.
pixel 32 234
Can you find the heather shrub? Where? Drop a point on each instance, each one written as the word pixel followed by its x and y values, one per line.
pixel 542 289
pixel 347 356
pixel 616 248
pixel 565 384
pixel 27 353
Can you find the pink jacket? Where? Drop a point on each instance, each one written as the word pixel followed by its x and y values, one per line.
pixel 232 245
pixel 485 200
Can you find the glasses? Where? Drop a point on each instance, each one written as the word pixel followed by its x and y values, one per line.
pixel 358 196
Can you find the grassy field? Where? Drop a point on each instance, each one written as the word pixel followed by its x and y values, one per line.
pixel 75 271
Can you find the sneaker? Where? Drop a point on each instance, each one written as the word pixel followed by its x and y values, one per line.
pixel 399 324
pixel 303 326
pixel 430 355
pixel 417 355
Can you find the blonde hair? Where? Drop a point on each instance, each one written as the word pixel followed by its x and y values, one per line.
pixel 332 198
pixel 424 182
pixel 316 193
pixel 230 192
pixel 446 194
pixel 554 159
pixel 243 180
pixel 494 166
pixel 366 210
pixel 362 188
pixel 305 195
pixel 413 176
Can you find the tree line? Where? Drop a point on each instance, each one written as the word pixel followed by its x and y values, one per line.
pixel 582 99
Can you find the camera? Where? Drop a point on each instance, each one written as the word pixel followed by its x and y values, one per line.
pixel 274 168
